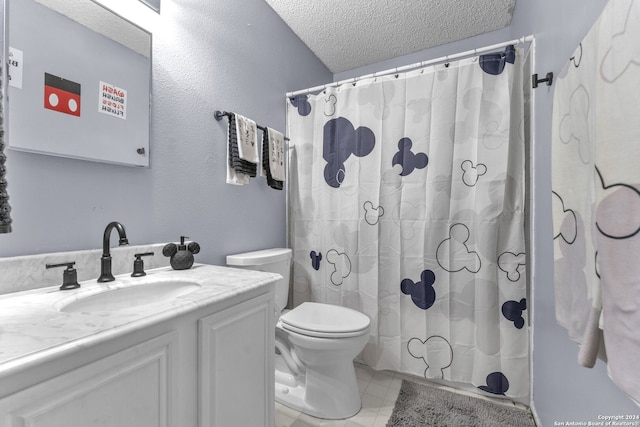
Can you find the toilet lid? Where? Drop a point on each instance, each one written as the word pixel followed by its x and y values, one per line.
pixel 325 319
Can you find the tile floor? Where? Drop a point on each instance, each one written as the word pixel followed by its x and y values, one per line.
pixel 379 391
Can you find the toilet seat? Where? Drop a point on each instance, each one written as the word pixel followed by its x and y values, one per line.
pixel 325 321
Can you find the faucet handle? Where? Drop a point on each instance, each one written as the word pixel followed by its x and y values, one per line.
pixel 138 264
pixel 69 276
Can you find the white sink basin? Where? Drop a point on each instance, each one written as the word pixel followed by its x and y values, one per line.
pixel 129 297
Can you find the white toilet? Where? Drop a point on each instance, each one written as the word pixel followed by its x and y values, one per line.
pixel 315 345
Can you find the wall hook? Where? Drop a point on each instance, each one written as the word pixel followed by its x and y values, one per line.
pixel 548 79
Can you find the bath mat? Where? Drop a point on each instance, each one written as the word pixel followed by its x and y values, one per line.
pixel 420 405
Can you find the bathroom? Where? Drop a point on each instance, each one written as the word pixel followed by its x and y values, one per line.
pixel 240 56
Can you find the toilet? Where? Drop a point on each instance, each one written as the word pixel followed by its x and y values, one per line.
pixel 315 345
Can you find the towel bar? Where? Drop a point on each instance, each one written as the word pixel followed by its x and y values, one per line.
pixel 220 114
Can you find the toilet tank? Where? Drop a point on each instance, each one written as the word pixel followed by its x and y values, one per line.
pixel 276 260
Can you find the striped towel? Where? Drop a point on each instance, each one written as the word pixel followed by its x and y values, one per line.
pixel 238 171
pixel 5 209
pixel 266 167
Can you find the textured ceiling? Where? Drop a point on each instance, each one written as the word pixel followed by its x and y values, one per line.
pixel 347 34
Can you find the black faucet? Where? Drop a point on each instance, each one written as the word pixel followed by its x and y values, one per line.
pixel 105 260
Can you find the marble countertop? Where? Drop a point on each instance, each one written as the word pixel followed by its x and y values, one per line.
pixel 33 329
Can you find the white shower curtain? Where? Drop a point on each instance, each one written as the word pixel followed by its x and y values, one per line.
pixel 407 204
pixel 596 194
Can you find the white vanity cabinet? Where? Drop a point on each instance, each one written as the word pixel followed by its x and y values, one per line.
pixel 236 354
pixel 212 366
pixel 133 387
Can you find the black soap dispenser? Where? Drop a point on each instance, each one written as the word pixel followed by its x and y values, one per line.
pixel 181 255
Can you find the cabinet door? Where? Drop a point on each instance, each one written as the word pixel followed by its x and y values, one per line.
pixel 96 102
pixel 236 365
pixel 134 387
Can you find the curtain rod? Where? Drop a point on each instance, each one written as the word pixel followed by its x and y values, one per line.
pixel 220 114
pixel 421 64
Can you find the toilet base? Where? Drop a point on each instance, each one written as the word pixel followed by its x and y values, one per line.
pixel 314 393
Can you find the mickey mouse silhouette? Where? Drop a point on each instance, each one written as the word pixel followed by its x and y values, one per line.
pixel 368 98
pixel 574 125
pixel 494 63
pixel 405 215
pixel 301 103
pixel 435 352
pixel 512 310
pixel 472 173
pixel 341 266
pixel 510 263
pixel 340 141
pixel 497 383
pixel 454 255
pixel 422 293
pixel 420 107
pixel 371 214
pixel 616 217
pixel 330 105
pixel 315 259
pixel 618 59
pixel 567 228
pixel 407 159
pixel 386 302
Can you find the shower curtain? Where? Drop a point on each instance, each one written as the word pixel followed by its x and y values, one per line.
pixel 596 194
pixel 406 202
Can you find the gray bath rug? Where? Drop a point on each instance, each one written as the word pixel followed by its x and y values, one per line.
pixel 420 405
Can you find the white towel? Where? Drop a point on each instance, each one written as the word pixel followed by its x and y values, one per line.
pixel 276 154
pixel 247 139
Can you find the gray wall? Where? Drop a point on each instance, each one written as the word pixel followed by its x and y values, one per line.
pixel 239 56
pixel 207 55
pixel 563 391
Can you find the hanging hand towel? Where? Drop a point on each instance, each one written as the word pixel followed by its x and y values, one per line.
pixel 247 138
pixel 238 171
pixel 5 209
pixel 266 168
pixel 276 154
